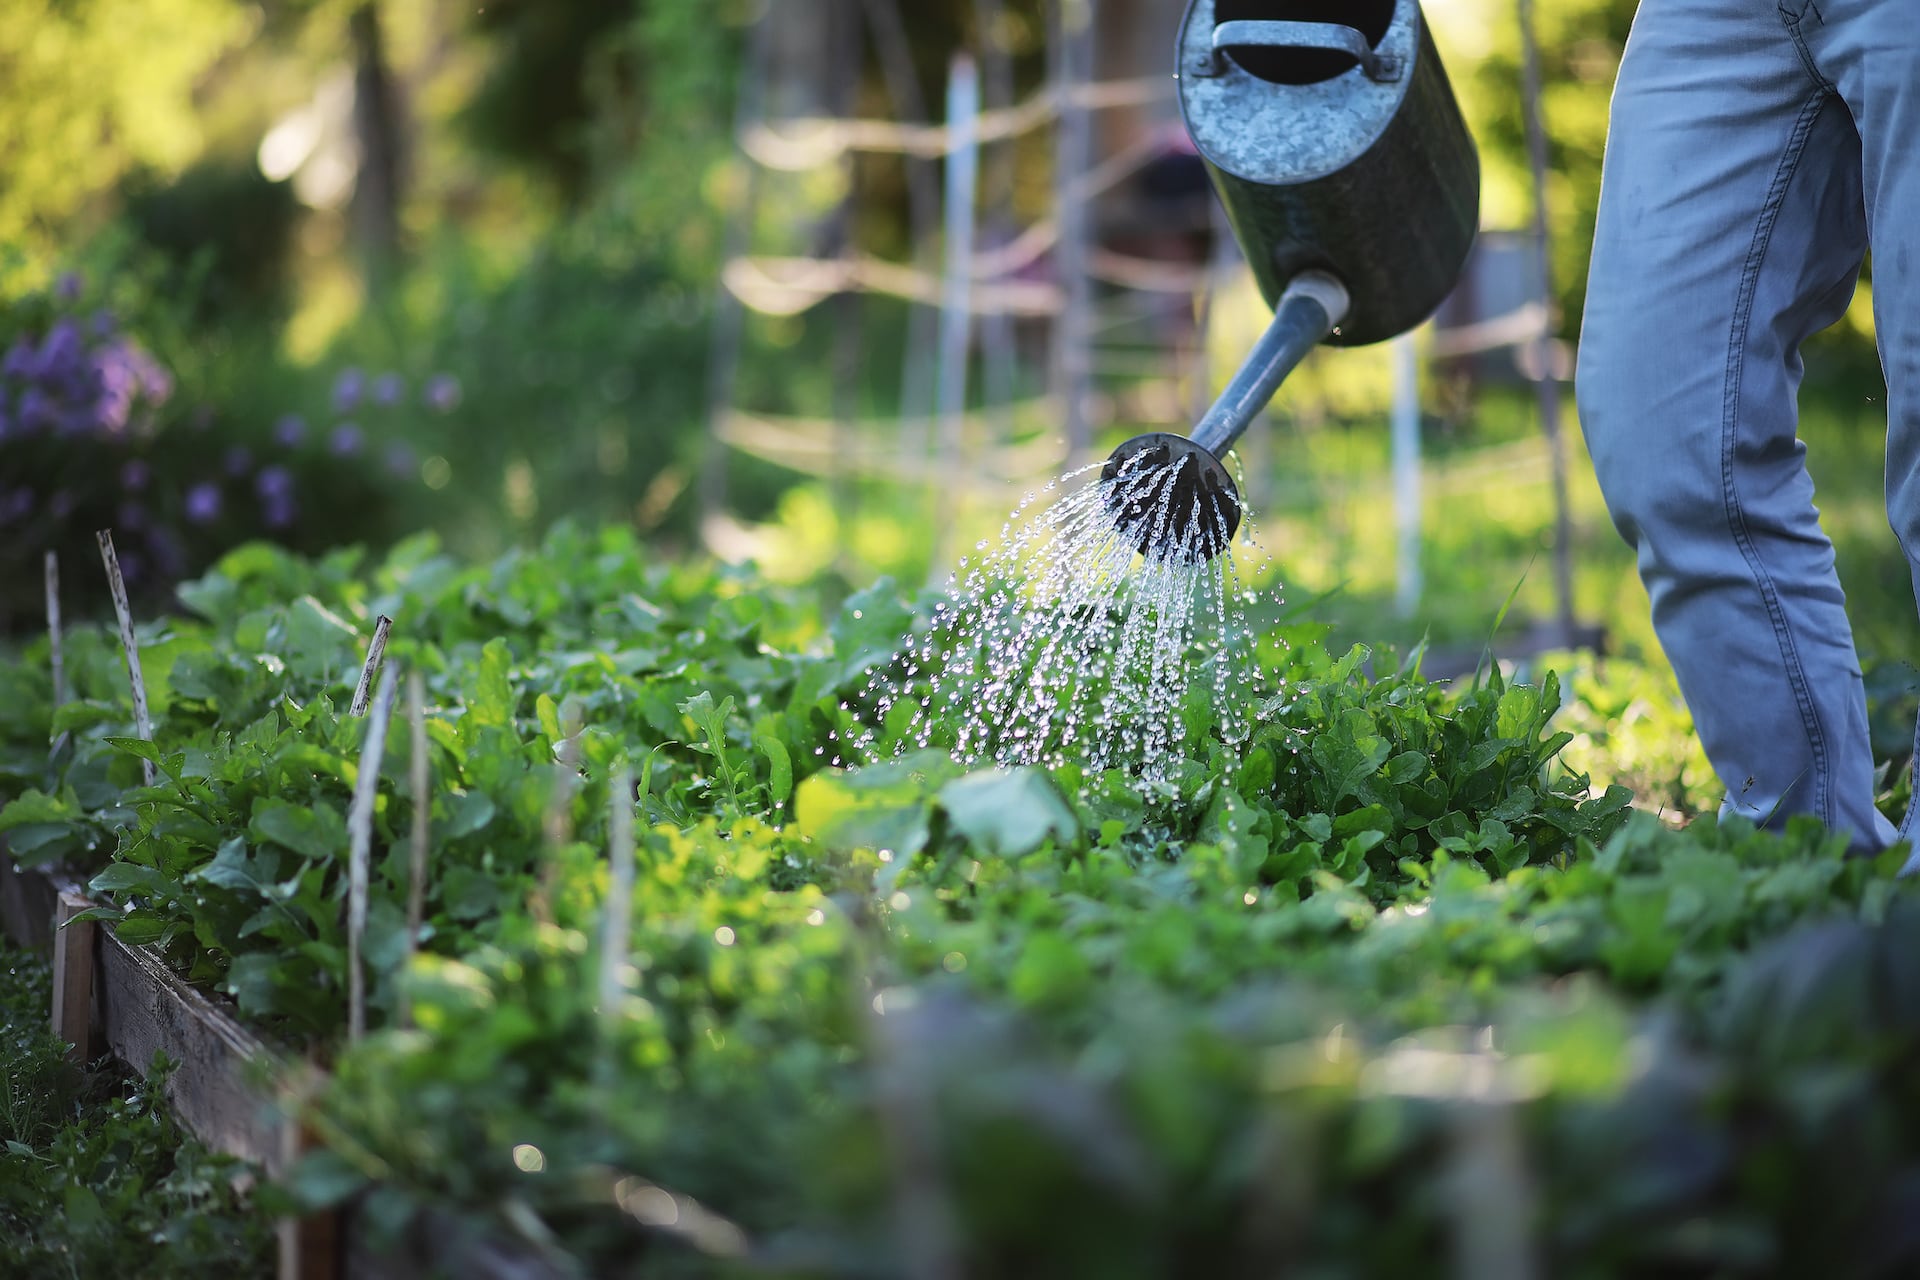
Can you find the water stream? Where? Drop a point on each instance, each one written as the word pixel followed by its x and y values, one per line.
pixel 1063 642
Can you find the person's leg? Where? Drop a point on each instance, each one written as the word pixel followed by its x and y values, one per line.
pixel 1730 228
pixel 1870 50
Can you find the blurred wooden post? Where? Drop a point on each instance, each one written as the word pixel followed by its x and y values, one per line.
pixel 1546 378
pixel 923 212
pixel 1491 1198
pixel 1406 475
pixel 729 314
pixel 1073 333
pixel 998 350
pixel 376 127
pixel 73 976
pixel 842 75
pixel 956 309
pixel 309 1247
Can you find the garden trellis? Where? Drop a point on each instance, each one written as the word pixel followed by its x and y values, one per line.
pixel 981 290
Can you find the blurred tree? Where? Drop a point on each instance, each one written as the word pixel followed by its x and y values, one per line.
pixel 537 105
pixel 224 232
pixel 90 89
pixel 376 124
pixel 1580 46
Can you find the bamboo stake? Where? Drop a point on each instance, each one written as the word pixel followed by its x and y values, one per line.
pixel 117 584
pixel 557 824
pixel 366 789
pixel 56 652
pixel 422 780
pixel 617 920
pixel 376 653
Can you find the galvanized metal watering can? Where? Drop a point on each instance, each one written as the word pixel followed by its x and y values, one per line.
pixel 1350 181
pixel 1335 143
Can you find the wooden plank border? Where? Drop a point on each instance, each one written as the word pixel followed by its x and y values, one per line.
pixel 74 949
pixel 218 1089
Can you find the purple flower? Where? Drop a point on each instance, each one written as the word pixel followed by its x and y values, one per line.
pixel 401 459
pixel 134 474
pixel 66 290
pixel 347 390
pixel 346 440
pixel 103 324
pixel 278 510
pixel 388 388
pixel 290 432
pixel 61 347
pixel 273 482
pixel 167 554
pixel 36 410
pixel 19 360
pixel 442 393
pixel 203 503
pixel 239 460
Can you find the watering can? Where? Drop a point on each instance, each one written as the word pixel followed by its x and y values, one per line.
pixel 1353 187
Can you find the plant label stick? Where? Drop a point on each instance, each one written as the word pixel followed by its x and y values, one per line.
pixel 366 787
pixel 422 781
pixel 142 725
pixel 376 650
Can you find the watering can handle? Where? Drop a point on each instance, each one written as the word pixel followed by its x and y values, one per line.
pixel 1296 35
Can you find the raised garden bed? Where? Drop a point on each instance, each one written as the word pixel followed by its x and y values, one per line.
pixel 1380 985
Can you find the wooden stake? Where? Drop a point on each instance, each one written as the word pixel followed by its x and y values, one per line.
pixel 617 919
pixel 142 725
pixel 309 1247
pixel 73 976
pixel 557 825
pixel 422 781
pixel 56 654
pixel 360 845
pixel 376 652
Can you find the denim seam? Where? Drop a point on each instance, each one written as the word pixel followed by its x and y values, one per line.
pixel 1736 515
pixel 1913 800
pixel 1793 23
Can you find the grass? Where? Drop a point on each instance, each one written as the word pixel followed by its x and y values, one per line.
pixel 96 1179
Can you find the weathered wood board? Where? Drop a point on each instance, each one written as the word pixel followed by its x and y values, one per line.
pixel 139 1007
pixel 147 1009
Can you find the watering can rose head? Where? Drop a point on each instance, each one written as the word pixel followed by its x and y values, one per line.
pixel 1170 497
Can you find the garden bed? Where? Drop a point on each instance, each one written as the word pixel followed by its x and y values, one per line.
pixel 1292 1006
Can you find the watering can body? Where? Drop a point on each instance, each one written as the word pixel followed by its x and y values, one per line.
pixel 1335 144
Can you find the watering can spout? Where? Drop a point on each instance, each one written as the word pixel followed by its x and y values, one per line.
pixel 1171 495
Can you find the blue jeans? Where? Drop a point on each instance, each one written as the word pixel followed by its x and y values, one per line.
pixel 1756 148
